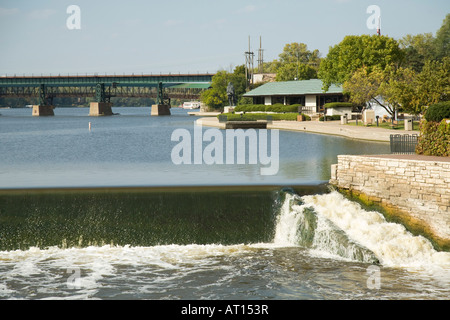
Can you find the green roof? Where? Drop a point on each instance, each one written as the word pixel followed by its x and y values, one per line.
pixel 285 88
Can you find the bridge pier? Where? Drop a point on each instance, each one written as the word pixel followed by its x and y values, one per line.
pixel 160 110
pixel 100 109
pixel 40 110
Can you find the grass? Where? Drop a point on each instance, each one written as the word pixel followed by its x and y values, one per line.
pixel 387 125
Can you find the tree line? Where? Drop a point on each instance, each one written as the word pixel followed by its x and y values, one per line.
pixel 399 75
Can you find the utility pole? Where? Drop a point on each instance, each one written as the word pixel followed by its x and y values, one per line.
pixel 379 26
pixel 260 57
pixel 249 56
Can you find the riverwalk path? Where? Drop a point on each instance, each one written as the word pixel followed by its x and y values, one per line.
pixel 329 127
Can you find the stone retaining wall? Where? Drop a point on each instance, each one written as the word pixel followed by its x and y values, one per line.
pixel 413 190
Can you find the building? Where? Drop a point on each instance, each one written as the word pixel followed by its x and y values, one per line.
pixel 263 77
pixel 307 93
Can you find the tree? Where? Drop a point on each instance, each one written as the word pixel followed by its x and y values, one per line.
pixel 395 88
pixel 216 97
pixel 442 42
pixel 295 71
pixel 295 62
pixel 420 48
pixel 431 86
pixel 355 52
pixel 299 53
pixel 389 87
pixel 417 49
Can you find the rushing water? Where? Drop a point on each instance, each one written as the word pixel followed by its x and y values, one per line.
pixel 105 214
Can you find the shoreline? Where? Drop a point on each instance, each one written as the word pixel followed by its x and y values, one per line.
pixel 318 127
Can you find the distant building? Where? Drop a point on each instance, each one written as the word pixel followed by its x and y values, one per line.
pixel 307 93
pixel 263 77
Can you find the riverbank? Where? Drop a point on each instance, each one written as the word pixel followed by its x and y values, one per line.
pixel 328 127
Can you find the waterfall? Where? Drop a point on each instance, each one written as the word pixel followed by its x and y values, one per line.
pixel 390 242
pixel 332 224
pixel 298 224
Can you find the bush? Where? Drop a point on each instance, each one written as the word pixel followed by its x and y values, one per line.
pixel 338 104
pixel 263 116
pixel 267 108
pixel 437 112
pixel 434 139
pixel 329 118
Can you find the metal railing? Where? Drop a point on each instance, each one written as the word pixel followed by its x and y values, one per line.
pixel 403 144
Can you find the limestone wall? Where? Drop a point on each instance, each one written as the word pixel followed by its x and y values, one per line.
pixel 414 190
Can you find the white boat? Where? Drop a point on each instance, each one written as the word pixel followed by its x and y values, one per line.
pixel 191 105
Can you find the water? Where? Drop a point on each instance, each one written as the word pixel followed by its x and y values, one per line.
pixel 134 149
pixel 106 215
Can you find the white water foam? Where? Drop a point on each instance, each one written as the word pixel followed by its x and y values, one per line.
pixel 287 222
pixel 323 238
pixel 51 269
pixel 391 242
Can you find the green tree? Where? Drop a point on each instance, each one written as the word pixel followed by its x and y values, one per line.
pixel 299 53
pixel 389 87
pixel 395 88
pixel 216 97
pixel 355 52
pixel 430 86
pixel 417 49
pixel 442 42
pixel 296 61
pixel 292 71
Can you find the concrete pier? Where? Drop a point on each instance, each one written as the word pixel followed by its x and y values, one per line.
pixel 100 109
pixel 39 110
pixel 160 110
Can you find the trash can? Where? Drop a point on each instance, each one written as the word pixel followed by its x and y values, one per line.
pixel 344 119
pixel 408 124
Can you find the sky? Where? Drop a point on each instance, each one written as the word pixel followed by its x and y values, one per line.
pixel 187 36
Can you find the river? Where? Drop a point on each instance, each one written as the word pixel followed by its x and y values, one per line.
pixel 105 213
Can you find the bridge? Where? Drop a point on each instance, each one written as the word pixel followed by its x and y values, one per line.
pixel 103 88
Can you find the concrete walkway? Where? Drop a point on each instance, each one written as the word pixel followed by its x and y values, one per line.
pixel 329 127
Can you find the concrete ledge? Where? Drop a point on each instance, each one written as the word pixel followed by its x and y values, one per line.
pixel 210 122
pixel 43 110
pixel 160 110
pixel 100 109
pixel 204 114
pixel 214 122
pixel 246 125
